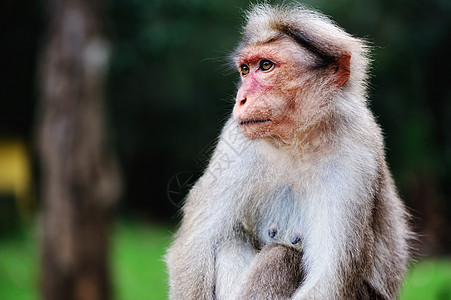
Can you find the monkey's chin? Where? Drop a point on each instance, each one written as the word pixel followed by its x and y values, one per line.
pixel 256 130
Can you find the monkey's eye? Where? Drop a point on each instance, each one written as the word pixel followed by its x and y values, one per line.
pixel 244 69
pixel 266 65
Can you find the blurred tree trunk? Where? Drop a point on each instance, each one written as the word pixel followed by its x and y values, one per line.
pixel 79 175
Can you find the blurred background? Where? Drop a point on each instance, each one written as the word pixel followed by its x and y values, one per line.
pixel 109 110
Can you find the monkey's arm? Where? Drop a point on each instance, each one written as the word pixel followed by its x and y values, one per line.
pixel 190 259
pixel 204 239
pixel 338 240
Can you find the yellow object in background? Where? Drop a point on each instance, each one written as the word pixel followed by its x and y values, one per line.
pixel 15 174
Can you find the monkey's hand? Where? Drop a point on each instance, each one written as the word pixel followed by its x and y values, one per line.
pixel 275 273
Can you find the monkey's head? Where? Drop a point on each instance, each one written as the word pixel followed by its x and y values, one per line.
pixel 293 63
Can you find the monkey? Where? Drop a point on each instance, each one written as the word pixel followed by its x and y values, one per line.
pixel 297 201
pixel 273 262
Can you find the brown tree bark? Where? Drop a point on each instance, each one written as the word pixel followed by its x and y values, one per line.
pixel 79 175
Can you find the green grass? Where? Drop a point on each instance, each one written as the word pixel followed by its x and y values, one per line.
pixel 139 273
pixel 18 266
pixel 138 267
pixel 428 279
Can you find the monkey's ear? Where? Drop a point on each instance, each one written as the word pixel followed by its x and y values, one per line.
pixel 342 66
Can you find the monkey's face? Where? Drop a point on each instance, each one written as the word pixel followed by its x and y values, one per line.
pixel 272 76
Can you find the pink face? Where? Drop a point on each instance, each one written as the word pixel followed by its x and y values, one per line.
pixel 265 99
pixel 279 91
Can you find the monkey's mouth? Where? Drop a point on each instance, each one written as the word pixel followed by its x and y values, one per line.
pixel 254 121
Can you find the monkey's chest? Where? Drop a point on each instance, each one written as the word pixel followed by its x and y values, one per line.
pixel 274 219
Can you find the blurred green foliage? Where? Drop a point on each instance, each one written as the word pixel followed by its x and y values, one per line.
pixel 139 271
pixel 170 88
